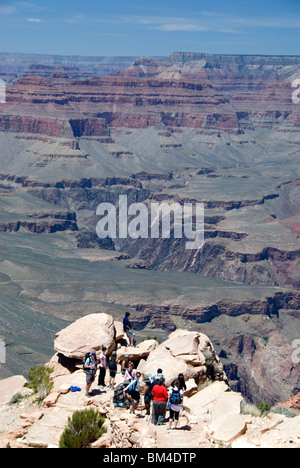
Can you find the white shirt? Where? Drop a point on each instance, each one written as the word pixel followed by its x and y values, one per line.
pixel 104 360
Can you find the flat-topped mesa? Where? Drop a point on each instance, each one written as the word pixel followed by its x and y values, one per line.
pixel 218 60
pixel 227 94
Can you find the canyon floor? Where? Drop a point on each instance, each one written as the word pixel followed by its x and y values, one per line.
pixel 178 129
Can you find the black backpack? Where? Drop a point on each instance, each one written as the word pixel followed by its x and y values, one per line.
pixel 112 365
pixel 87 362
pixel 84 360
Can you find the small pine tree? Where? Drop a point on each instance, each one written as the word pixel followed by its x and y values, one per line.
pixel 83 428
pixel 264 408
pixel 39 380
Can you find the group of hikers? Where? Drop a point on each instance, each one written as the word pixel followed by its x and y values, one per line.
pixel 128 393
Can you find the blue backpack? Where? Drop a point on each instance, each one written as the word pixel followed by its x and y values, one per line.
pixel 176 398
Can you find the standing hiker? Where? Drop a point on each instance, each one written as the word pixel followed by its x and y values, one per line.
pixel 113 368
pixel 125 364
pixel 128 328
pixel 158 376
pixel 103 367
pixel 159 406
pixel 182 384
pixel 90 369
pixel 148 395
pixel 175 403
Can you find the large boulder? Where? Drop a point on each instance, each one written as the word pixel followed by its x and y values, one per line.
pixel 88 333
pixel 189 353
pixel 141 351
pixel 10 387
pixel 119 331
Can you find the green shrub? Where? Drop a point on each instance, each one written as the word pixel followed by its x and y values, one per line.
pixel 39 380
pixel 285 412
pixel 16 398
pixel 264 408
pixel 83 428
pixel 209 357
pixel 266 340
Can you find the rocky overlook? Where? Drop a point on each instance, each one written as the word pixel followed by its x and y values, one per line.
pixel 221 130
pixel 213 415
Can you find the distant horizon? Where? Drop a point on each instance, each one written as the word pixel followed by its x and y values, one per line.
pixel 150 56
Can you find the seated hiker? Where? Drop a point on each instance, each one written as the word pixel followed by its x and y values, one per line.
pixel 159 406
pixel 130 373
pixel 175 404
pixel 90 368
pixel 128 329
pixel 133 393
pixel 182 384
pixel 113 368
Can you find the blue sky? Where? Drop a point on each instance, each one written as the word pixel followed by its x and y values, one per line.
pixel 151 28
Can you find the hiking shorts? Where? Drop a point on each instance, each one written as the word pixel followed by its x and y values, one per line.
pixel 90 378
pixel 112 374
pixel 174 415
pixel 129 333
pixel 135 395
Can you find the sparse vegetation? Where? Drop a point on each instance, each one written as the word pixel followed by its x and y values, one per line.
pixel 285 412
pixel 264 408
pixel 154 338
pixel 266 340
pixel 83 428
pixel 39 381
pixel 16 398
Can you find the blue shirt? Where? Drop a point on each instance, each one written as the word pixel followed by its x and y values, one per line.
pixel 126 324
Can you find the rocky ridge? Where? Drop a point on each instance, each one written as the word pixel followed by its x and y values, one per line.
pixel 214 416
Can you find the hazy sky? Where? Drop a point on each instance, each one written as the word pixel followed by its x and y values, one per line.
pixel 153 27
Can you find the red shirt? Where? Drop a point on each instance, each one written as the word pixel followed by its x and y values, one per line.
pixel 160 393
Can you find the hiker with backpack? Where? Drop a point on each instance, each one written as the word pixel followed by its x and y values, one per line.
pixel 175 404
pixel 90 369
pixel 113 368
pixel 133 393
pixel 156 377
